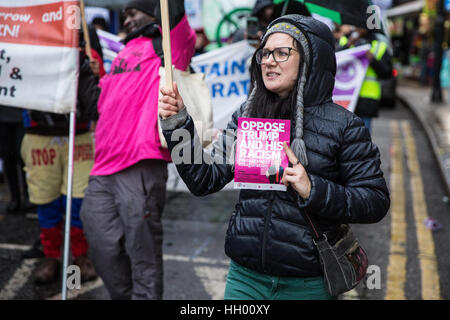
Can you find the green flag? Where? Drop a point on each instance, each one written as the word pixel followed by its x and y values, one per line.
pixel 354 12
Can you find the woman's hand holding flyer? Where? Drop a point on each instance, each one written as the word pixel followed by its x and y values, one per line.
pixel 296 176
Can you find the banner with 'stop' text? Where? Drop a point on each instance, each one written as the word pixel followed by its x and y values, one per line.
pixel 39 54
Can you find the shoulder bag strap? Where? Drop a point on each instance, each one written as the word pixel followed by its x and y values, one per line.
pixel 316 232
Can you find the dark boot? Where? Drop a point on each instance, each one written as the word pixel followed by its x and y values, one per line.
pixel 13 206
pixel 28 207
pixel 35 251
pixel 12 178
pixel 86 268
pixel 48 271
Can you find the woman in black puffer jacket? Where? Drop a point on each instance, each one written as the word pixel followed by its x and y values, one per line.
pixel 338 179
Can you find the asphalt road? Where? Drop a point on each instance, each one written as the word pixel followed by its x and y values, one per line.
pixel 407 260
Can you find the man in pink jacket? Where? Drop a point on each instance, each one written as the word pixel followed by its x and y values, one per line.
pixel 125 198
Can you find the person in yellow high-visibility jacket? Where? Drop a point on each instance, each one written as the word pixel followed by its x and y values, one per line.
pixel 380 68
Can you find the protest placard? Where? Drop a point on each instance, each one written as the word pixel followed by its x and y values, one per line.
pixel 260 157
pixel 351 69
pixel 39 54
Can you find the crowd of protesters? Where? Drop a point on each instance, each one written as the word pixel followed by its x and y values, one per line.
pixel 119 185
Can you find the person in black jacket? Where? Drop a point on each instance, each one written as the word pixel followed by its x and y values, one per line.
pixel 335 174
pixel 11 135
pixel 263 10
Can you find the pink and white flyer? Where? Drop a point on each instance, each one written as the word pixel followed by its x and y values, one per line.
pixel 260 157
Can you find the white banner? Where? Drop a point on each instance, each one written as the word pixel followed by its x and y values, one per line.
pixel 194 13
pixel 39 54
pixel 214 11
pixel 96 12
pixel 227 75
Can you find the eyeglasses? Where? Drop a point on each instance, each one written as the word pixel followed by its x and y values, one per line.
pixel 279 54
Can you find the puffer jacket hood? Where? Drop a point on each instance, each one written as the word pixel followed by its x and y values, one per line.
pixel 322 68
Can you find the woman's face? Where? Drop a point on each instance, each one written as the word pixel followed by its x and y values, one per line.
pixel 280 77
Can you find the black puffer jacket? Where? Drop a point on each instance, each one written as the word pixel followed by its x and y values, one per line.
pixel 11 115
pixel 267 231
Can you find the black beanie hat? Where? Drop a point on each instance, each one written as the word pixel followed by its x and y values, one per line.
pixel 146 6
pixel 260 5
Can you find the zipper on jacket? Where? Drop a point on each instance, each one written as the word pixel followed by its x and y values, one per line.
pixel 266 230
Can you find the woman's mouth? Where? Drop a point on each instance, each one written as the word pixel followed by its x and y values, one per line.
pixel 272 75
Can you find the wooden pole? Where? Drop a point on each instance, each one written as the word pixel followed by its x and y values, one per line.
pixel 85 31
pixel 165 24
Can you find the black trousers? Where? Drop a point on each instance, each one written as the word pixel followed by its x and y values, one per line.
pixel 11 136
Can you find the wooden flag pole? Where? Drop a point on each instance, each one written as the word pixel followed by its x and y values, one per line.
pixel 166 42
pixel 85 31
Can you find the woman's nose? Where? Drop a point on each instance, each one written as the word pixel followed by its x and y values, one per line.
pixel 271 59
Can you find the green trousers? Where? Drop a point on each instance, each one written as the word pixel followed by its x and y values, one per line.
pixel 246 284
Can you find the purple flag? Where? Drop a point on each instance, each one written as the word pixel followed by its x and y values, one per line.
pixel 351 70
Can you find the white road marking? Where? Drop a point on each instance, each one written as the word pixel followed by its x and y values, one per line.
pixel 351 295
pixel 18 280
pixel 31 216
pixel 212 276
pixel 213 280
pixel 199 260
pixel 199 250
pixel 18 247
pixel 85 287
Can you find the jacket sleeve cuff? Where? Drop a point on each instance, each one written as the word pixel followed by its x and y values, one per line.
pixel 315 191
pixel 175 121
